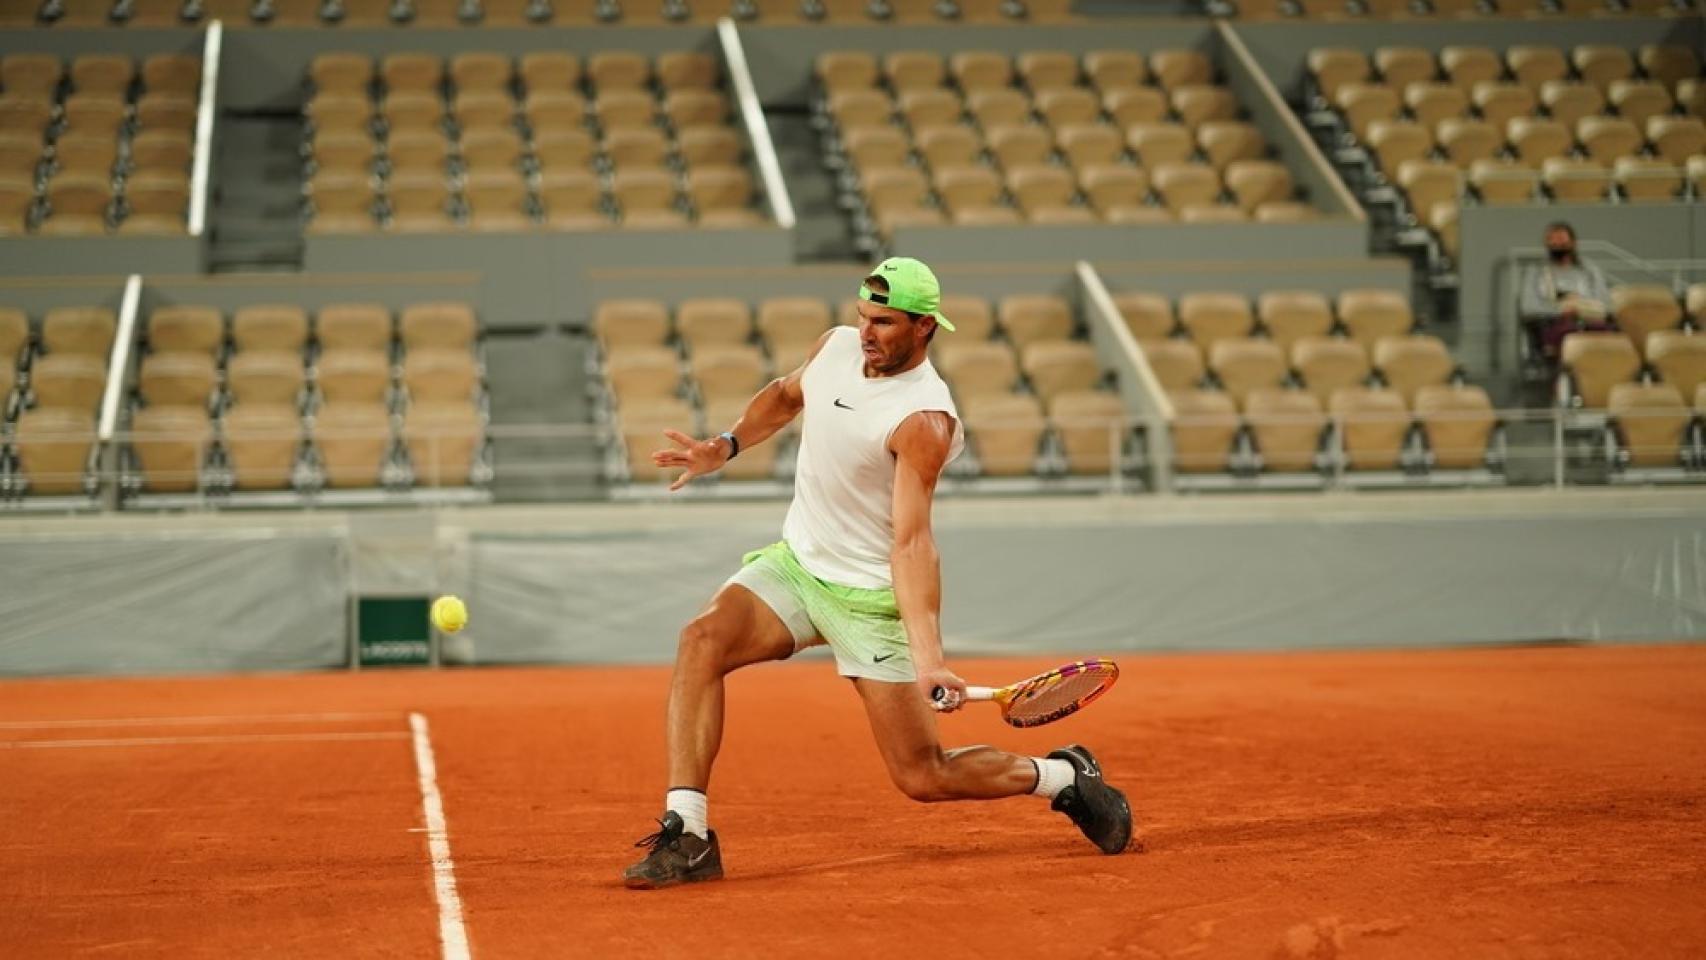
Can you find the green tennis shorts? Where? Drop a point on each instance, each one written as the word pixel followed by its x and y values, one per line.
pixel 861 626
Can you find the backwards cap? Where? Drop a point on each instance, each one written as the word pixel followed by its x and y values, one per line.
pixel 912 288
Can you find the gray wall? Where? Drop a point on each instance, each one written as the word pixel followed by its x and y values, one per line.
pixel 1327 276
pixel 62 256
pixel 38 295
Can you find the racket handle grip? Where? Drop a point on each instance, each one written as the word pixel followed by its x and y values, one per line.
pixel 938 694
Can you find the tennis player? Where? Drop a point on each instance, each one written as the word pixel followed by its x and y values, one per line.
pixel 857 569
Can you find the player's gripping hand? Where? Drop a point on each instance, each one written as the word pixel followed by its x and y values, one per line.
pixel 699 457
pixel 942 689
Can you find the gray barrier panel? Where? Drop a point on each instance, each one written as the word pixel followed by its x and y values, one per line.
pixel 162 604
pixel 100 255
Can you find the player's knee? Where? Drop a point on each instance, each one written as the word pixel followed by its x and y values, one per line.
pixel 924 781
pixel 701 642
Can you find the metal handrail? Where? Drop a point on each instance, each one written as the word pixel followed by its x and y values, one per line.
pixel 206 105
pixel 752 115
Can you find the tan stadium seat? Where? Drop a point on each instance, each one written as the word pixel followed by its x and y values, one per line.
pixel 354 326
pixel 1668 64
pixel 1651 420
pixel 92 113
pixel 1536 66
pixel 421 73
pixel 642 424
pixel 1134 105
pixel 624 69
pixel 1005 430
pixel 163 194
pixel 640 147
pixel 443 439
pixel 186 329
pixel 340 114
pixel 261 441
pixel 1607 138
pixel 1695 302
pixel 81 330
pixel 354 441
pixel 1598 361
pixel 793 320
pixel 1228 141
pixel 1466 141
pixel 1067 107
pixel 1243 365
pixel 341 72
pixel 171 445
pixel 1645 180
pixel 353 376
pixel 177 379
pixel 1364 103
pixel 1048 70
pixel 727 370
pixel 1037 187
pixel 34 73
pixel 448 324
pixel 549 71
pixel 1333 67
pixel 705 321
pixel 1111 187
pixel 170 150
pixel 1568 102
pixel 1197 104
pixel 1457 422
pixel 483 71
pixel 16 199
pixel 623 108
pixel 14 335
pixel 1638 101
pixel 109 73
pixel 635 370
pixel 695 108
pixel 968 188
pixel 914 69
pixel 1291 315
pixel 1677 139
pixel 1409 363
pixel 1027 318
pixel 1255 182
pixel 979 367
pixel 881 146
pixel 1641 309
pixel 719 188
pixel 1111 70
pixel 1204 426
pixel 1286 426
pixel 1397 142
pixel 1086 145
pixel 166 112
pixel 80 194
pixel 1373 425
pixel 1500 103
pixel 1058 366
pixel 941 147
pixel 998 108
pixel 1575 180
pixel 1182 185
pixel 1148 316
pixel 53 447
pixel 1156 144
pixel 1091 428
pixel 1177 364
pixel 68 380
pixel 980 70
pixel 710 146
pixel 1426 183
pixel 927 107
pixel 265 377
pixel 1600 64
pixel 846 70
pixel 269 327
pixel 440 375
pixel 1503 182
pixel 1020 146
pixel 341 194
pixel 894 186
pixel 483 113
pixel 972 317
pixel 1326 364
pixel 1679 358
pixel 554 111
pixel 1370 314
pixel 687 70
pixel 1174 68
pixel 644 190
pixel 1467 66
pixel 1211 317
pixel 25 116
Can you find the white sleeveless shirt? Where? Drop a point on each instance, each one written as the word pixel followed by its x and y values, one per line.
pixel 840 524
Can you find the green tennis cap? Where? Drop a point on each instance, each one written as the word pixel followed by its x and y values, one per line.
pixel 912 288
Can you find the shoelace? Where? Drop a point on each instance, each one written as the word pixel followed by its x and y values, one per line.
pixel 656 840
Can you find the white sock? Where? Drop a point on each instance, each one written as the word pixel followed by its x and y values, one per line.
pixel 690 804
pixel 1053 776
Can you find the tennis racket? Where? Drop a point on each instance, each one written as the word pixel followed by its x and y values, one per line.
pixel 1048 696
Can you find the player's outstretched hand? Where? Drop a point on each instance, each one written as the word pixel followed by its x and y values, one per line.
pixel 698 457
pixel 943 689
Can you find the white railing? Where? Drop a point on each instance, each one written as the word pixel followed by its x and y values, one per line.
pixel 206 104
pixel 752 115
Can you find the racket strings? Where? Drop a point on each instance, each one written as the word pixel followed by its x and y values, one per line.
pixel 1048 696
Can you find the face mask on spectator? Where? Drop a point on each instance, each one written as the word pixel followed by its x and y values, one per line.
pixel 1559 254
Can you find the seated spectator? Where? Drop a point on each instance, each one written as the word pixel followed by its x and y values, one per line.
pixel 1562 295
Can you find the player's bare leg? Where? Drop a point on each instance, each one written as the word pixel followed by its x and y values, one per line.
pixel 905 730
pixel 734 630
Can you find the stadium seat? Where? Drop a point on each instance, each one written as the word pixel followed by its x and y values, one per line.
pixel 1244 365
pixel 972 316
pixel 1373 425
pixel 1457 422
pixel 704 321
pixel 1568 102
pixel 1225 142
pixel 1368 314
pixel 171 444
pixel 1048 70
pixel 1173 68
pixel 1291 315
pixel 978 367
pixel 1134 105
pixel 1536 66
pixel 53 446
pixel 353 376
pixel 1054 367
pixel 792 320
pixel 1409 363
pixel 450 325
pixel 1110 70
pixel 261 442
pixel 1204 427
pixel 727 370
pixel 1211 316
pixel 1596 362
pixel 440 375
pixel 1503 182
pixel 1091 426
pixel 1327 364
pixel 1177 364
pixel 1149 316
pixel 1650 421
pixel 1601 64
pixel 1677 139
pixel 1466 66
pixel 1333 67
pixel 14 336
pixel 635 371
pixel 269 327
pixel 354 326
pixel 1642 309
pixel 1005 430
pixel 1286 426
pixel 177 379
pixel 265 378
pixel 442 440
pixel 353 441
pixel 1026 318
pixel 1500 103
pixel 68 381
pixel 79 330
pixel 186 329
pixel 1679 358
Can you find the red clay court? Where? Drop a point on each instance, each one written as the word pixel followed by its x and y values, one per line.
pixel 1520 803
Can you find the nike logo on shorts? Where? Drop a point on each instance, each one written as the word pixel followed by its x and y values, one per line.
pixel 886 656
pixel 841 405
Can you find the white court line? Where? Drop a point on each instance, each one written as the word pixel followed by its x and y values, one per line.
pixel 173 741
pixel 193 721
pixel 451 934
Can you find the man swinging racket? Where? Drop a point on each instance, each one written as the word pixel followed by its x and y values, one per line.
pixel 857 569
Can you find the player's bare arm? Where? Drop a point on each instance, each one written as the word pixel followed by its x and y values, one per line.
pixel 771 409
pixel 920 446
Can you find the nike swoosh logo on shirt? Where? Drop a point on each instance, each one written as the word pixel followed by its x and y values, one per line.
pixel 841 405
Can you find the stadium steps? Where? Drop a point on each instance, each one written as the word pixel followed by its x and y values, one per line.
pixel 256 215
pixel 824 232
pixel 539 377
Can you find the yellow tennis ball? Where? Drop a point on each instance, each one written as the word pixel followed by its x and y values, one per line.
pixel 449 614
